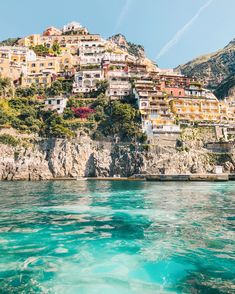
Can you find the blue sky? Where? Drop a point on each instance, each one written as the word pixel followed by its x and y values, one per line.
pixel 172 31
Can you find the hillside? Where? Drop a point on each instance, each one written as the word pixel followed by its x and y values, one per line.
pixel 226 88
pixel 212 69
pixel 9 42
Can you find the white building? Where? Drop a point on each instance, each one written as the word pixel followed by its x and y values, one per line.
pixel 119 87
pixel 115 57
pixel 17 54
pixel 72 26
pixel 86 80
pixel 56 103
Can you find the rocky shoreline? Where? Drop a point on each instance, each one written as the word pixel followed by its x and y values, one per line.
pixel 47 159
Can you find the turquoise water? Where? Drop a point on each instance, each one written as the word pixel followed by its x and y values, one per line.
pixel 116 237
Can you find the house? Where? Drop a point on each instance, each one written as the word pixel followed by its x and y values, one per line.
pixel 52 31
pixel 13 61
pixel 42 79
pixel 56 103
pixel 16 54
pixel 32 40
pixel 74 27
pixel 85 80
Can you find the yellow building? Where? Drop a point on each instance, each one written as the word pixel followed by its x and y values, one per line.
pixel 51 64
pixel 29 41
pixel 43 65
pixel 72 42
pixel 13 61
pixel 42 79
pixel 191 109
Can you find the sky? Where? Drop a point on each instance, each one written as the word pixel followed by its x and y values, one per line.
pixel 172 31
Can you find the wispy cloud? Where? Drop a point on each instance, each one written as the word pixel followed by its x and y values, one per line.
pixel 122 14
pixel 176 38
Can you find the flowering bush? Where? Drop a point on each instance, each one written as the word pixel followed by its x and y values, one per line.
pixel 82 112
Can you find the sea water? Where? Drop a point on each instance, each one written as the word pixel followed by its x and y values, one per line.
pixel 116 237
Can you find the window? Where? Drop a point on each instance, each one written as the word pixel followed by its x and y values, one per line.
pixel 58 101
pixel 33 65
pixel 50 64
pixel 180 93
pixel 171 92
pixel 49 101
pixel 41 64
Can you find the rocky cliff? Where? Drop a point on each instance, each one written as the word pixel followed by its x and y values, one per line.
pixel 54 158
pixel 131 48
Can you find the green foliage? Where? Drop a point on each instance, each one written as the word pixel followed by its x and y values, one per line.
pixel 59 131
pixel 5 87
pixel 101 87
pixel 55 89
pixel 29 91
pixel 41 50
pixel 59 87
pixel 8 140
pixel 56 50
pixel 117 119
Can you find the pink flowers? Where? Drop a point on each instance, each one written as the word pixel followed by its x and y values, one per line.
pixel 82 112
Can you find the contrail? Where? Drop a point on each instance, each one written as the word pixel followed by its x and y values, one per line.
pixel 180 33
pixel 123 13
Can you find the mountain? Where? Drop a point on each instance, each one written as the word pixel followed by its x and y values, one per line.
pixel 212 69
pixel 226 88
pixel 9 42
pixel 120 42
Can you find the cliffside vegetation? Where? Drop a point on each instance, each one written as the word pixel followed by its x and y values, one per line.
pixel 102 119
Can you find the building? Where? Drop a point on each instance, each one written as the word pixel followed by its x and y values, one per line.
pixel 156 114
pixel 74 27
pixel 40 79
pixel 17 55
pixel 52 31
pixel 13 61
pixel 56 104
pixel 32 40
pixel 86 79
pixel 196 109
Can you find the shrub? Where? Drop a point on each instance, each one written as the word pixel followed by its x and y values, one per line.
pixel 8 140
pixel 82 112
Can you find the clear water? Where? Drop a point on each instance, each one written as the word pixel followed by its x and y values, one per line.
pixel 117 237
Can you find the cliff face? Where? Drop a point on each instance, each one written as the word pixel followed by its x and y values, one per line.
pixel 51 158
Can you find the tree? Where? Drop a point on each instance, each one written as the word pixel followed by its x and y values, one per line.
pixel 56 50
pixel 40 50
pixel 5 86
pixel 55 89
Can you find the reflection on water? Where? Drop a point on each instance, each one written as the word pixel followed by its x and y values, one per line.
pixel 116 237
